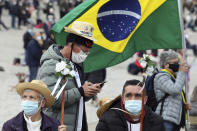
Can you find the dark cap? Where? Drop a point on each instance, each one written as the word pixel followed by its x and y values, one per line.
pixel 79 40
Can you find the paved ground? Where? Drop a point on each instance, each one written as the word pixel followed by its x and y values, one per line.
pixel 11 47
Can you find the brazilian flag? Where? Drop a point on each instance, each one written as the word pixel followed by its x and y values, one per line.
pixel 123 27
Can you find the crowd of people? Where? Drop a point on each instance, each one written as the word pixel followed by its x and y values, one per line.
pixel 24 12
pixel 38 37
pixel 127 112
pixel 190 12
pixel 190 22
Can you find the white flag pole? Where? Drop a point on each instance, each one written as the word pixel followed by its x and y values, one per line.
pixel 180 6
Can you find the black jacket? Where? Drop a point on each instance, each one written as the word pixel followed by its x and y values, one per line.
pixel 114 120
pixel 26 39
pixel 33 53
pixel 18 123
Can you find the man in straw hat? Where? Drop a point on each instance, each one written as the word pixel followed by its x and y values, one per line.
pixel 77 46
pixel 34 97
pixel 124 113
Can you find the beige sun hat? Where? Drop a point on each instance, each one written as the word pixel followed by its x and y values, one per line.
pixel 38 86
pixel 83 29
pixel 106 106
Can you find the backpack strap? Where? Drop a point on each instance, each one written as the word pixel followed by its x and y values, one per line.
pixel 162 104
pixel 166 94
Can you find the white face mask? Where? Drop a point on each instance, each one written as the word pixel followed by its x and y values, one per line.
pixel 78 57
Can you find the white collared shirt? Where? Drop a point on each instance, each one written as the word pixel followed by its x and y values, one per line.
pixel 133 127
pixel 33 126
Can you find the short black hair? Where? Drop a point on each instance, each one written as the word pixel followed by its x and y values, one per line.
pixel 133 82
pixel 79 40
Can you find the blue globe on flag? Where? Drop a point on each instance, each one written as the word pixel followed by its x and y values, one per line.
pixel 117 22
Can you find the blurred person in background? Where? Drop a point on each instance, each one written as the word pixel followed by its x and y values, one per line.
pixel 190 45
pixel 49 11
pixel 33 54
pixel 19 6
pixel 77 2
pixel 36 4
pixel 135 68
pixel 25 12
pixel 13 13
pixel 27 36
pixel 48 41
pixel 1 8
pixel 65 6
pixel 7 4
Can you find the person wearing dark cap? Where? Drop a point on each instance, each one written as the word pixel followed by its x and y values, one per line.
pixel 78 43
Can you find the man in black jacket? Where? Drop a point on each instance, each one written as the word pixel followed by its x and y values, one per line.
pixel 33 54
pixel 123 113
pixel 28 36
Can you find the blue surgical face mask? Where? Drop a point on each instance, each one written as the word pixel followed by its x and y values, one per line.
pixel 39 38
pixel 30 107
pixel 30 31
pixel 133 106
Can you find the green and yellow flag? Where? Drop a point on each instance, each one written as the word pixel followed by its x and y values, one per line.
pixel 122 27
pixel 115 21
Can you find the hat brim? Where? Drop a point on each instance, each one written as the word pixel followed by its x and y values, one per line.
pixel 106 106
pixel 41 89
pixel 70 30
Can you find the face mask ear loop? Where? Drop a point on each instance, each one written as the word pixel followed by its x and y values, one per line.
pixel 29 117
pixel 40 104
pixel 142 110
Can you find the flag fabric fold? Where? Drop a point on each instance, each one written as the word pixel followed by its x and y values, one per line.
pixel 159 29
pixel 115 21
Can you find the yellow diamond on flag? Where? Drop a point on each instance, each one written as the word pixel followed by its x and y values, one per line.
pixel 115 21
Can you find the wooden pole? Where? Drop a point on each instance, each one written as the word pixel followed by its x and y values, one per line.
pixel 62 108
pixel 180 6
pixel 142 110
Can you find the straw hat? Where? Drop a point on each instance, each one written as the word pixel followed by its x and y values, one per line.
pixel 106 106
pixel 38 86
pixel 82 29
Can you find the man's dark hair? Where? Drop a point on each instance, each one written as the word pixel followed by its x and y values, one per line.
pixel 133 82
pixel 79 40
